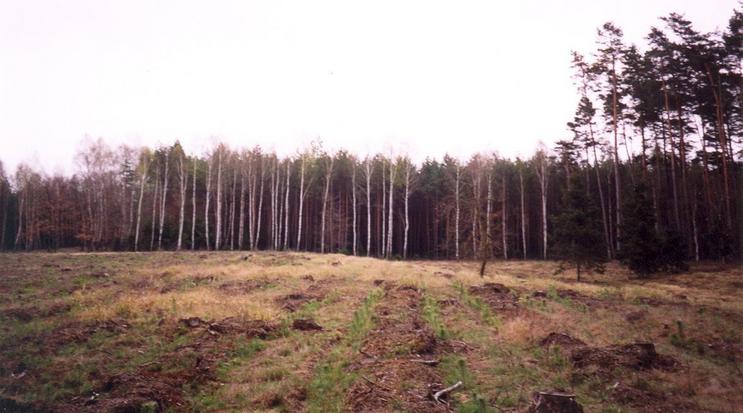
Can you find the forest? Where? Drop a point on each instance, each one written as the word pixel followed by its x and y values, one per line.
pixel 665 116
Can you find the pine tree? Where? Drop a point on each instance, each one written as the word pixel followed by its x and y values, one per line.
pixel 640 243
pixel 577 231
pixel 646 251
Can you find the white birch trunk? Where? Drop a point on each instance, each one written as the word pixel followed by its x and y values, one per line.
pixel 154 213
pixel 241 226
pixel 541 169
pixel 218 231
pixel 183 184
pixel 163 201
pixel 368 207
pixel 139 204
pixel 286 204
pixel 193 209
pixel 328 175
pixel 208 199
pixel 260 208
pixel 233 207
pixel 301 202
pixel 390 216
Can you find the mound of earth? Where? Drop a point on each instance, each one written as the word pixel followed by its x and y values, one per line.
pixel 303 324
pixel 78 332
pixel 316 291
pixel 232 325
pixel 556 402
pixel 243 286
pixel 562 340
pixel 635 356
pixel 576 297
pixel 497 296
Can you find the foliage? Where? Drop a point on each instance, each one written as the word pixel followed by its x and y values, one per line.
pixel 577 238
pixel 643 250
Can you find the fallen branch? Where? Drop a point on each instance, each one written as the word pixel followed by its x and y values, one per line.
pixel 447 390
pixel 374 383
pixel 427 362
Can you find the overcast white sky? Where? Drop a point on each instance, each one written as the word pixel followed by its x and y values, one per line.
pixel 424 77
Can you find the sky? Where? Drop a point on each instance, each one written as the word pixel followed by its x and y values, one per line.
pixel 422 78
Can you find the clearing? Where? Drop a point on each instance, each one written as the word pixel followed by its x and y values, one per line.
pixel 288 332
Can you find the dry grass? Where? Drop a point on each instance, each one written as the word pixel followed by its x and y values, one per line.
pixel 50 305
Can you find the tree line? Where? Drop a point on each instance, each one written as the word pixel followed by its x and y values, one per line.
pixel 666 118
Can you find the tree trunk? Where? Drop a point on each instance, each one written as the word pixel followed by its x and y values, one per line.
pixel 328 175
pixel 164 199
pixel 233 209
pixel 193 209
pixel 723 145
pixel 218 235
pixel 208 198
pixel 4 226
pixel 407 214
pixel 353 193
pixel 139 204
pixel 667 118
pixel 383 248
pixel 260 208
pixel 154 213
pixel 286 204
pixel 604 215
pixel 183 184
pixel 390 216
pixel 301 202
pixel 504 218
pixel 368 207
pixel 489 211
pixel 19 232
pixel 251 201
pixel 617 177
pixel 241 218
pixel 541 170
pixel 457 214
pixel 523 214
pixel 475 210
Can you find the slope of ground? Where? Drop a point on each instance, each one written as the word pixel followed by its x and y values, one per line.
pixel 274 331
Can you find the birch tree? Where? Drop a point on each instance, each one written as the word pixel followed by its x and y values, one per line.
pixel 368 169
pixel 164 199
pixel 208 197
pixel 144 165
pixel 286 204
pixel 183 185
pixel 193 209
pixel 542 170
pixel 390 216
pixel 329 159
pixel 218 215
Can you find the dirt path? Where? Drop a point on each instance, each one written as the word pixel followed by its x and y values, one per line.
pixel 392 361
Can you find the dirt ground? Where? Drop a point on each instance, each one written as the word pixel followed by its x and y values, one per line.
pixel 300 332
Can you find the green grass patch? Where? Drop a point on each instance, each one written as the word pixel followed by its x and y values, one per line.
pixel 432 314
pixel 477 304
pixel 331 380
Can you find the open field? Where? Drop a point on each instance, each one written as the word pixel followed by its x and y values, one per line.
pixel 245 331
